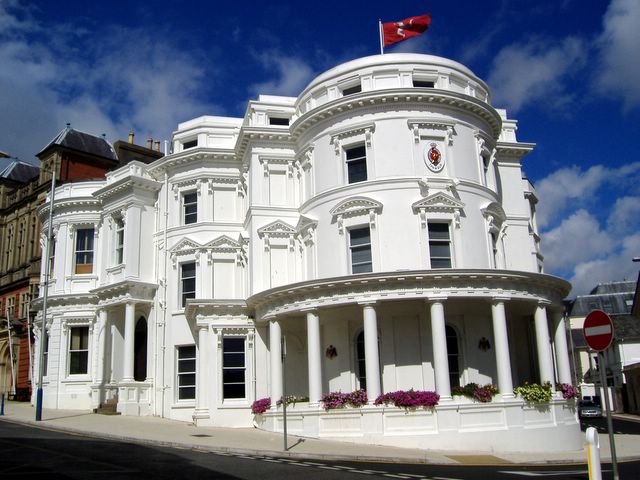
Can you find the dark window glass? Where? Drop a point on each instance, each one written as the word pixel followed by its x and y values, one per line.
pixel 186 378
pixel 439 245
pixel 423 84
pixel 356 164
pixel 187 282
pixel 453 356
pixel 352 90
pixel 278 121
pixel 360 247
pixel 190 206
pixel 78 350
pixel 190 144
pixel 362 370
pixel 233 367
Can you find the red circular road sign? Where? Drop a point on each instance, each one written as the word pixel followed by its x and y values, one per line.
pixel 598 330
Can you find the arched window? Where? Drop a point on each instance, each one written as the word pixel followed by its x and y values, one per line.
pixel 140 351
pixel 361 369
pixel 453 352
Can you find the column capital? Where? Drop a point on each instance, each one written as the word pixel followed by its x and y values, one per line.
pixel 436 298
pixel 499 299
pixel 310 310
pixel 368 303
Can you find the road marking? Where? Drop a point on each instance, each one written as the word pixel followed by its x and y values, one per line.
pixel 327 467
pixel 558 473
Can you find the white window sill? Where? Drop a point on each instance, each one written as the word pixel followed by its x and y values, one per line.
pixel 76 379
pixel 184 404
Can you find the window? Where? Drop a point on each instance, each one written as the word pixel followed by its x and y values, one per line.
pixel 190 144
pixel 278 121
pixel 423 83
pixel 356 164
pixel 439 245
pixel 453 354
pixel 233 367
pixel 119 241
pixel 360 359
pixel 352 90
pixel 78 350
pixel 360 250
pixel 52 255
pixel 186 372
pixel 84 250
pixel 187 282
pixel 190 207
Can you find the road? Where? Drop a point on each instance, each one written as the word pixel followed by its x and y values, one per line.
pixel 29 452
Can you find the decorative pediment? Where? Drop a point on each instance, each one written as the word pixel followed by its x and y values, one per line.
pixel 355 206
pixel 432 127
pixel 277 229
pixel 365 129
pixel 185 246
pixel 438 202
pixel 223 243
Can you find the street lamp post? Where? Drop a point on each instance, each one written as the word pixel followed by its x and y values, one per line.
pixel 45 294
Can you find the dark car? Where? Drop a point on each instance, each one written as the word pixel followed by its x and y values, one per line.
pixel 588 408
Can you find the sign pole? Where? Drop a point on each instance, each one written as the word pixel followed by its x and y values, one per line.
pixel 605 389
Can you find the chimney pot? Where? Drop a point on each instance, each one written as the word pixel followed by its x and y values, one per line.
pixel 149 143
pixel 157 145
pixel 131 135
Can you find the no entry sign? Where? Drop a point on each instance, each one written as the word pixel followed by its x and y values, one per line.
pixel 598 330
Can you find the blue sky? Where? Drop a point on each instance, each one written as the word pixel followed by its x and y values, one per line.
pixel 567 70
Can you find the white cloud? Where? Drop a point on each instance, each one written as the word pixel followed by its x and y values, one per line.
pixel 615 267
pixel 619 48
pixel 577 239
pixel 96 82
pixel 293 74
pixel 525 73
pixel 625 216
pixel 564 187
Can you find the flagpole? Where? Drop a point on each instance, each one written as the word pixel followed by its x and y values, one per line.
pixel 381 37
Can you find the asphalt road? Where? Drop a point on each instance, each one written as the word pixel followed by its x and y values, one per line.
pixel 29 452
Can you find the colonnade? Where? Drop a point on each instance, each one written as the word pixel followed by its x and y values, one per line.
pixel 436 307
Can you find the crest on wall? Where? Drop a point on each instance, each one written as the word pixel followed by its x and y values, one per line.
pixel 433 157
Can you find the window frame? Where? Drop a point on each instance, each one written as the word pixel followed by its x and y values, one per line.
pixel 179 374
pixel 86 267
pixel 352 247
pixel 118 240
pixel 230 368
pixel 82 350
pixel 187 215
pixel 182 292
pixel 431 240
pixel 353 163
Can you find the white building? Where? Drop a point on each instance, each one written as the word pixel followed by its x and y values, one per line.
pixel 380 221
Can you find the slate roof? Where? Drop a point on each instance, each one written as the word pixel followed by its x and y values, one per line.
pixel 614 298
pixel 18 171
pixel 82 142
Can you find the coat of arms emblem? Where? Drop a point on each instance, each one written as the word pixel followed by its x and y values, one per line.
pixel 433 158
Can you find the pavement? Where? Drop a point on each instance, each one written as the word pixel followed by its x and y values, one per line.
pixel 157 431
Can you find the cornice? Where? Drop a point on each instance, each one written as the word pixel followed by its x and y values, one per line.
pixel 128 183
pixel 215 308
pixel 419 285
pixel 66 300
pixel 363 100
pixel 126 290
pixel 192 155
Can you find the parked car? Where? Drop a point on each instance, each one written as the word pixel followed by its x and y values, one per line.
pixel 588 408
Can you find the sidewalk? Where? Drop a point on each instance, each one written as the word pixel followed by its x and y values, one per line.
pixel 170 433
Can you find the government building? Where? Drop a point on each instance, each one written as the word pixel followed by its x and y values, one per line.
pixel 376 231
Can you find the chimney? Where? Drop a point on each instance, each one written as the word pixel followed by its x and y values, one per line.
pixel 131 135
pixel 157 145
pixel 149 143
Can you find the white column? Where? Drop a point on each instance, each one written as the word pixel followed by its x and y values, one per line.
pixel 129 344
pixel 201 384
pixel 371 360
pixel 562 351
pixel 545 361
pixel 440 355
pixel 314 358
pixel 103 331
pixel 501 344
pixel 275 353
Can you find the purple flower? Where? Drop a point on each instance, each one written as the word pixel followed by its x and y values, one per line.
pixel 335 400
pixel 409 399
pixel 260 406
pixel 569 391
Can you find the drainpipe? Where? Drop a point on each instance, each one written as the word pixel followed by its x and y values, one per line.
pixel 164 291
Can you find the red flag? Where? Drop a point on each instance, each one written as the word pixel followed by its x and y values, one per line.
pixel 395 32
